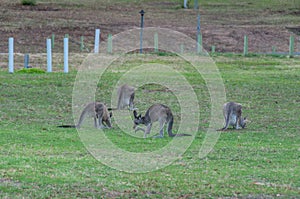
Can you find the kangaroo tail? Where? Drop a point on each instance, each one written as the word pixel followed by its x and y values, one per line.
pixel 170 126
pixel 112 109
pixel 180 135
pixel 67 126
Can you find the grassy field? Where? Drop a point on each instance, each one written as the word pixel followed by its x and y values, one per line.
pixel 39 160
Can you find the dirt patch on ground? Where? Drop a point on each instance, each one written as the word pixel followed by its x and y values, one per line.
pixel 32 25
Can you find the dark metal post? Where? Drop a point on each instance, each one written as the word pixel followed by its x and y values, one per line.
pixel 26 60
pixel 141 34
pixel 198 25
pixel 196 7
pixel 199 36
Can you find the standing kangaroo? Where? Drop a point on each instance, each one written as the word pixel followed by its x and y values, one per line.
pixel 157 112
pixel 233 116
pixel 97 110
pixel 125 98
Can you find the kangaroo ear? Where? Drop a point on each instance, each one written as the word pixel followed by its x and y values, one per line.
pixel 135 114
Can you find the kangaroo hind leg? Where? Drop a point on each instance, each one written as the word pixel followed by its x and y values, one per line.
pixel 161 129
pixel 96 122
pixel 100 122
pixel 147 130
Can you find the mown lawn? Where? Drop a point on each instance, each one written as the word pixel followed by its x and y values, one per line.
pixel 39 160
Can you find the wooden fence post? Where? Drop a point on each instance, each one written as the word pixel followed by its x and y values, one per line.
pixel 52 40
pixel 109 43
pixel 81 43
pixel 156 42
pixel 26 60
pixel 196 6
pixel 291 49
pixel 199 43
pixel 181 48
pixel 273 50
pixel 213 49
pixel 245 45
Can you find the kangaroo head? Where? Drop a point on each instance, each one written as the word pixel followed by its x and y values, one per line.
pixel 243 122
pixel 138 119
pixel 108 120
pixel 106 115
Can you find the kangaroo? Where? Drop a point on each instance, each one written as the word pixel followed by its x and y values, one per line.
pixel 97 110
pixel 125 98
pixel 233 116
pixel 157 112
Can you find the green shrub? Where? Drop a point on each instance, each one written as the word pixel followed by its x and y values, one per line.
pixel 28 2
pixel 31 70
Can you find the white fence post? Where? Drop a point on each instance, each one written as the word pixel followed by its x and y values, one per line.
pixel 11 55
pixel 66 55
pixel 49 56
pixel 185 4
pixel 97 40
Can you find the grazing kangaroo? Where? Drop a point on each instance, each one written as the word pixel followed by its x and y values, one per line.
pixel 233 116
pixel 157 112
pixel 125 98
pixel 97 110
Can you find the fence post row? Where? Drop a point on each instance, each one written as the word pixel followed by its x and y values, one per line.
pixel 50 44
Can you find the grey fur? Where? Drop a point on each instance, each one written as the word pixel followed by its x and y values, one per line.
pixel 99 111
pixel 96 110
pixel 232 112
pixel 157 112
pixel 125 98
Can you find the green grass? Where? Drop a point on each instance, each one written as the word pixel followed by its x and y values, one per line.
pixel 39 160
